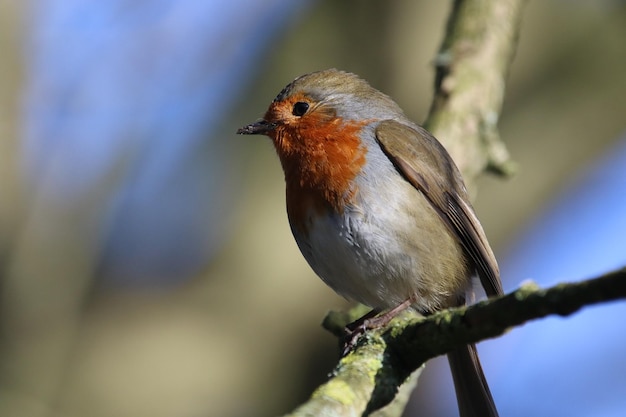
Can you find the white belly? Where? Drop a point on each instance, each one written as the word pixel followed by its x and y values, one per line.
pixel 381 252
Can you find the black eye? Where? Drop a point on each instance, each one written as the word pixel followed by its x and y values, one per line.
pixel 300 108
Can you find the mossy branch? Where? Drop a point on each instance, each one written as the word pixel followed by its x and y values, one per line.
pixel 369 377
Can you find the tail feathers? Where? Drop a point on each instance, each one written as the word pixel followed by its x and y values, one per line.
pixel 472 391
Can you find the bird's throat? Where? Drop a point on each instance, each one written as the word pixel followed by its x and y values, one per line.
pixel 320 165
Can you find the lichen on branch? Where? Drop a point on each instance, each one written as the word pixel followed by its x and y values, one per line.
pixel 368 377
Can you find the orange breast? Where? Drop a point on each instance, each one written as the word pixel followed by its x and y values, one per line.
pixel 321 155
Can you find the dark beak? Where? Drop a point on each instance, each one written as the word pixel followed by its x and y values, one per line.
pixel 260 127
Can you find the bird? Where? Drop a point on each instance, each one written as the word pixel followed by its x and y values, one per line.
pixel 379 209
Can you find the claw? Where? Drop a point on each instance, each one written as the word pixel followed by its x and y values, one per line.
pixel 370 321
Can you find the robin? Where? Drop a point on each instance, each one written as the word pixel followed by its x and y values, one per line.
pixel 379 209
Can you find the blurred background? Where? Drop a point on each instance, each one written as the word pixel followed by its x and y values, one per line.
pixel 146 263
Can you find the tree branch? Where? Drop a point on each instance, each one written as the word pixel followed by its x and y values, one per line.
pixel 369 377
pixel 471 69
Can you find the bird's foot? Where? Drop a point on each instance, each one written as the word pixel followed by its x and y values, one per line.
pixel 370 321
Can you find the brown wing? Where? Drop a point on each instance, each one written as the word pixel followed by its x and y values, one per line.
pixel 425 163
